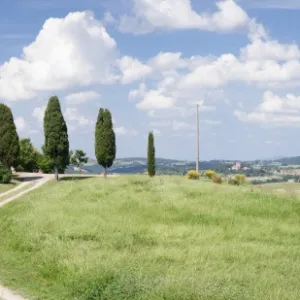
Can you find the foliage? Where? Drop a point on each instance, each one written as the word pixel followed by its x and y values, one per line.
pixel 193 175
pixel 217 179
pixel 238 179
pixel 210 174
pixel 9 140
pixel 45 164
pixel 28 159
pixel 105 140
pixel 78 158
pixel 5 174
pixel 56 145
pixel 151 155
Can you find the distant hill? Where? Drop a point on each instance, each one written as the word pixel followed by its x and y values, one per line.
pixel 289 160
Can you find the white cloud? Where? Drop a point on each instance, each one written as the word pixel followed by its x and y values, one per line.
pixel 20 124
pixel 71 51
pixel 132 69
pixel 121 131
pixel 155 100
pixel 72 116
pixel 274 111
pixel 149 15
pixel 157 132
pixel 271 49
pixel 23 127
pixel 39 113
pixel 82 97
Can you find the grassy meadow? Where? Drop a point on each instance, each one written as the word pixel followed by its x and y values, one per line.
pixel 165 238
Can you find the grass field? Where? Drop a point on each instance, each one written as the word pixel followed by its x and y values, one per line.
pixel 7 187
pixel 136 238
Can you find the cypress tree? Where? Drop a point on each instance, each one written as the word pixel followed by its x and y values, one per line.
pixel 105 140
pixel 151 155
pixel 9 139
pixel 56 145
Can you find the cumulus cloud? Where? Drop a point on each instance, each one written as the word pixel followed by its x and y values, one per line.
pixel 155 100
pixel 82 97
pixel 274 111
pixel 23 127
pixel 132 69
pixel 74 118
pixel 71 51
pixel 39 112
pixel 150 15
pixel 122 131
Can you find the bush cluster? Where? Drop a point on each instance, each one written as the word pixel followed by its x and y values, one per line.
pixel 193 175
pixel 5 174
pixel 210 174
pixel 238 179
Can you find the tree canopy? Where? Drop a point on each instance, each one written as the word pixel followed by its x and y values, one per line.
pixel 9 139
pixel 151 155
pixel 105 140
pixel 56 146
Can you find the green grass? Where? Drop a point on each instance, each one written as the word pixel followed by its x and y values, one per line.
pixel 281 187
pixel 136 238
pixel 6 187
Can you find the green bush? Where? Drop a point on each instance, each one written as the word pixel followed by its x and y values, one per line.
pixel 5 174
pixel 193 175
pixel 233 181
pixel 210 174
pixel 217 179
pixel 238 179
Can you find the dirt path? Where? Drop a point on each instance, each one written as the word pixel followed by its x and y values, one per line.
pixel 5 293
pixel 28 178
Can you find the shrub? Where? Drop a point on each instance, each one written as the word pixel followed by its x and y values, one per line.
pixel 233 181
pixel 217 179
pixel 210 174
pixel 5 174
pixel 241 178
pixel 238 179
pixel 193 175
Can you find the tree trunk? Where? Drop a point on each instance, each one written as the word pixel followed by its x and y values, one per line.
pixel 56 174
pixel 105 173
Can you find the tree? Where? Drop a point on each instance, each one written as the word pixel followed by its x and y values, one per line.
pixel 56 146
pixel 151 155
pixel 105 140
pixel 78 158
pixel 9 139
pixel 28 159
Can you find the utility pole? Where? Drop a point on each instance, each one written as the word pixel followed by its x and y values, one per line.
pixel 197 139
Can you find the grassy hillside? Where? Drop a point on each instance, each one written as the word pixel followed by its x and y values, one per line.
pixel 135 238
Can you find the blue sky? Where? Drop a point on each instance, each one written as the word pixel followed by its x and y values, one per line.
pixel 150 62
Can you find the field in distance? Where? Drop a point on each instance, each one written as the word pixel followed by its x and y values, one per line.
pixel 131 237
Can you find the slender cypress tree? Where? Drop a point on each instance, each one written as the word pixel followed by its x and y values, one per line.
pixel 9 139
pixel 56 145
pixel 105 140
pixel 151 155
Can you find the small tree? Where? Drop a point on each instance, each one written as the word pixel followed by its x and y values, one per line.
pixel 28 159
pixel 9 140
pixel 151 155
pixel 78 158
pixel 56 146
pixel 105 140
pixel 5 174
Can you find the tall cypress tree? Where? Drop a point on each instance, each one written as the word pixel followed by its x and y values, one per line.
pixel 105 140
pixel 9 139
pixel 151 155
pixel 56 145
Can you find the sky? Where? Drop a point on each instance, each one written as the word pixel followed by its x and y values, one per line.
pixel 150 62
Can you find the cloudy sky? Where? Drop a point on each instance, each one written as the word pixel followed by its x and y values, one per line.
pixel 150 62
